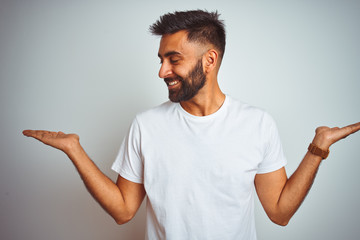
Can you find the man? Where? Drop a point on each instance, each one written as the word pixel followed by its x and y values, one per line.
pixel 198 157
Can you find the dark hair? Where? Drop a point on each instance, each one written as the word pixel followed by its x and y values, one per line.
pixel 201 26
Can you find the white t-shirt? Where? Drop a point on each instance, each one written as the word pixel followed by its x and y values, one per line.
pixel 198 172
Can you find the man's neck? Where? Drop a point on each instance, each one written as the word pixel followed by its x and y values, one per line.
pixel 206 102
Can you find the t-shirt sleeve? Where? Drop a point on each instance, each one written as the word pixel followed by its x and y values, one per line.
pixel 128 162
pixel 274 157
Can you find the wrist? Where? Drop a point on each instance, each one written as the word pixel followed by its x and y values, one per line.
pixel 321 142
pixel 314 149
pixel 73 146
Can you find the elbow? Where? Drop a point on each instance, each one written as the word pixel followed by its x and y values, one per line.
pixel 120 220
pixel 279 216
pixel 281 221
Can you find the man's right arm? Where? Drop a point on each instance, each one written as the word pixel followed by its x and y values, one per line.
pixel 120 200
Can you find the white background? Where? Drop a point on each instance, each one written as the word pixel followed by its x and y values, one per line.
pixel 89 66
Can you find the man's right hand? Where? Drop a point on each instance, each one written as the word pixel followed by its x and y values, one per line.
pixel 59 140
pixel 120 200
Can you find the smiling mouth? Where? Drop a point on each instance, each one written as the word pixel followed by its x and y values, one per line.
pixel 172 82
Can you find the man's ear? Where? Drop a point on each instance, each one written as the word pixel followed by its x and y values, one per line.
pixel 210 60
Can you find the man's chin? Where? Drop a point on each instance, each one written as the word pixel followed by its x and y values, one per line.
pixel 181 96
pixel 174 100
pixel 174 96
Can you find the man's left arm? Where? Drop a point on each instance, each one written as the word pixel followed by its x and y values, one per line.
pixel 280 196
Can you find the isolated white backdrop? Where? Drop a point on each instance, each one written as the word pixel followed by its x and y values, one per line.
pixel 89 66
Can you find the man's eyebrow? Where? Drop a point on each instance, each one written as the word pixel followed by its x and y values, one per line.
pixel 170 53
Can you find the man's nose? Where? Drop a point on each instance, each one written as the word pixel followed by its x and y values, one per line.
pixel 165 70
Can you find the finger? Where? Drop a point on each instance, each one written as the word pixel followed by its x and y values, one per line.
pixel 350 129
pixel 347 130
pixel 354 127
pixel 30 133
pixel 37 134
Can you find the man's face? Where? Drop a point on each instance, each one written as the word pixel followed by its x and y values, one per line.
pixel 182 68
pixel 190 85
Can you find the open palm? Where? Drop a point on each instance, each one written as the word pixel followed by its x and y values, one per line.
pixel 326 136
pixel 57 140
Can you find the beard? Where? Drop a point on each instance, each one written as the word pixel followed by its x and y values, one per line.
pixel 190 85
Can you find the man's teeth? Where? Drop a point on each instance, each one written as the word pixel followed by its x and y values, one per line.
pixel 173 83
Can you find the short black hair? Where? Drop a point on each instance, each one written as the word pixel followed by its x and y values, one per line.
pixel 201 26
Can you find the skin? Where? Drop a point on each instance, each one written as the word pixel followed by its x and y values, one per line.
pixel 279 195
pixel 189 86
pixel 121 199
pixel 210 98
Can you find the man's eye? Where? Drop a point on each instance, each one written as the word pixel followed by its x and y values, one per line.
pixel 174 60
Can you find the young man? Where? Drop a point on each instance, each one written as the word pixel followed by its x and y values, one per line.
pixel 198 157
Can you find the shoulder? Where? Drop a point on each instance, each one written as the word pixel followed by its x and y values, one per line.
pixel 250 116
pixel 246 110
pixel 156 113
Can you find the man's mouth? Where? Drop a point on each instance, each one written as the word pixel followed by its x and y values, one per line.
pixel 171 82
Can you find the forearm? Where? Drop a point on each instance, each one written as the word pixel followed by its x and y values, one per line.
pixel 103 189
pixel 297 187
pixel 120 200
pixel 280 196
